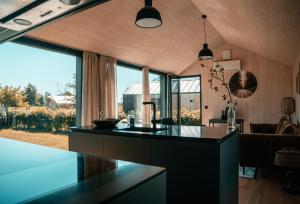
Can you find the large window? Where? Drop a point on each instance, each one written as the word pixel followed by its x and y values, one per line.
pixel 38 92
pixel 155 91
pixel 129 91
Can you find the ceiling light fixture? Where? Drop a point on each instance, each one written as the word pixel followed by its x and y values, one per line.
pixel 148 16
pixel 70 2
pixel 205 53
pixel 22 22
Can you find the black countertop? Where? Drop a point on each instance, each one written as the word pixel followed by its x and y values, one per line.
pixel 33 173
pixel 173 132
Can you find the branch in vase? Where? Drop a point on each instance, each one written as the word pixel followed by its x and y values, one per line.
pixel 218 74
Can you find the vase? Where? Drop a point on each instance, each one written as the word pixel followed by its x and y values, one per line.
pixel 231 115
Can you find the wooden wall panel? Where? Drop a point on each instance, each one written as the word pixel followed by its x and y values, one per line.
pixel 269 28
pixel 296 68
pixel 274 82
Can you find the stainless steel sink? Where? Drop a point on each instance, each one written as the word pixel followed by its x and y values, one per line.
pixel 143 129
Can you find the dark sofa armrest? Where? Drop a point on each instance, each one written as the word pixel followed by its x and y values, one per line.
pixel 258 150
pixel 263 128
pixel 254 150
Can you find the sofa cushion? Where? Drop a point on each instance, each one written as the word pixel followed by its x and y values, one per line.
pixel 296 129
pixel 263 128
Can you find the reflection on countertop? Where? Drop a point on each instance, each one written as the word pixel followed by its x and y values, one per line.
pixel 28 172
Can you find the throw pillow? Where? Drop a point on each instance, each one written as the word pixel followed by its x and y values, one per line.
pixel 281 121
pixel 288 128
pixel 263 128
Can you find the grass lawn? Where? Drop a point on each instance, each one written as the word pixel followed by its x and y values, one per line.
pixel 48 139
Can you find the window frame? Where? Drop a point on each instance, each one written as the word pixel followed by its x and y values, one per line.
pixel 179 99
pixel 26 41
pixel 163 92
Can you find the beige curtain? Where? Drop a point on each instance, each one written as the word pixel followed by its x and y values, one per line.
pixel 98 87
pixel 103 84
pixel 111 88
pixel 90 88
pixel 146 97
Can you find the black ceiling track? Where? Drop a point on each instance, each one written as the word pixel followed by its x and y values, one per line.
pixel 10 35
pixel 22 10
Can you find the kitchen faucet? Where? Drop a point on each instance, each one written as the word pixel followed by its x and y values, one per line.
pixel 154 121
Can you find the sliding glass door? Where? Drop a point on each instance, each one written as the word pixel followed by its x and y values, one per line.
pixel 174 105
pixel 185 100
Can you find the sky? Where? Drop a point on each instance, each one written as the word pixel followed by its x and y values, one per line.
pixel 127 77
pixel 48 71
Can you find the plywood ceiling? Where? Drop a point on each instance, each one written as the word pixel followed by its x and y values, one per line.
pixel 109 29
pixel 270 28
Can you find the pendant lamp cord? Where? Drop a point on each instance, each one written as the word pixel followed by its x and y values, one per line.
pixel 204 17
pixel 148 2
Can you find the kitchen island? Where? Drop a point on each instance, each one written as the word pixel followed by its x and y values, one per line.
pixel 36 174
pixel 201 162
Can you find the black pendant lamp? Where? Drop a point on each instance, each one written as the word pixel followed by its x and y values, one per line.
pixel 148 16
pixel 205 53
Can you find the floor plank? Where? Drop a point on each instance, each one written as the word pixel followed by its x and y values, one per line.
pixel 265 189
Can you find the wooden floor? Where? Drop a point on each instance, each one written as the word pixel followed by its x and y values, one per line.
pixel 265 189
